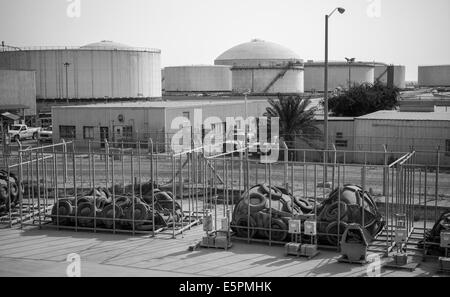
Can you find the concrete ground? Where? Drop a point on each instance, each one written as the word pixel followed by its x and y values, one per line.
pixel 34 252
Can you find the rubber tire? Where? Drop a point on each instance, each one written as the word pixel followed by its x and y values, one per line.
pixel 331 232
pixel 248 223
pixel 330 212
pixel 276 194
pixel 277 235
pixel 108 215
pixel 254 208
pixel 304 205
pixel 56 212
pixel 163 196
pixel 83 219
pixel 141 213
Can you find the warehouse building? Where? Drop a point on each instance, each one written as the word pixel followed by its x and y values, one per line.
pixel 139 121
pixel 424 132
pixel 95 71
pixel 434 76
pixel 263 67
pixel 400 132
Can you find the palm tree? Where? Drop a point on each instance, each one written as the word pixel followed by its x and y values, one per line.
pixel 296 120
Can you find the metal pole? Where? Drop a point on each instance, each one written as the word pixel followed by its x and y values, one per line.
pixel 325 99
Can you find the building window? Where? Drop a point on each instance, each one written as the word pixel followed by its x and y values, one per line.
pixel 88 132
pixel 341 143
pixel 127 132
pixel 447 147
pixel 339 135
pixel 67 132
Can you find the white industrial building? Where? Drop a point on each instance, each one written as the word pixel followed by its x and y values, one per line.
pixel 197 79
pixel 263 67
pixel 133 121
pixel 400 132
pixel 434 76
pixel 95 71
pixel 18 92
pixel 339 75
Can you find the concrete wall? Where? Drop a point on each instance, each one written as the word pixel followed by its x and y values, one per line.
pixel 18 87
pixel 258 80
pixel 338 76
pixel 434 76
pixel 91 74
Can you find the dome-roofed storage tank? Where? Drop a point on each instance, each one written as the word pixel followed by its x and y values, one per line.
pixel 434 76
pixel 95 71
pixel 399 74
pixel 339 75
pixel 197 78
pixel 263 67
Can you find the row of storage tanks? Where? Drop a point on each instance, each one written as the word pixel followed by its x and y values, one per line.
pixel 267 68
pixel 112 70
pixel 104 69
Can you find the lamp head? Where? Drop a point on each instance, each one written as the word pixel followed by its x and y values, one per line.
pixel 341 10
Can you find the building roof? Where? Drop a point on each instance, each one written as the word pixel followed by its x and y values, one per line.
pixel 407 116
pixel 161 104
pixel 258 50
pixel 13 106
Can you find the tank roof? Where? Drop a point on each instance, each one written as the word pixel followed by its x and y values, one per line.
pixel 105 44
pixel 258 49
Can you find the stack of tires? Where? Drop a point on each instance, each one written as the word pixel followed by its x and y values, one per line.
pixel 10 189
pixel 125 212
pixel 346 205
pixel 434 235
pixel 264 211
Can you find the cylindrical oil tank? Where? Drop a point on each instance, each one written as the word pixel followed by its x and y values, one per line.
pixel 381 74
pixel 339 75
pixel 434 76
pixel 268 80
pixel 197 78
pixel 96 71
pixel 263 67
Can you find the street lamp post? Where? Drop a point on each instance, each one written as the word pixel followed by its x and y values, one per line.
pixel 325 89
pixel 350 61
pixel 66 65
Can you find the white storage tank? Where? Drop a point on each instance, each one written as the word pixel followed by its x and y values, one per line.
pixel 94 71
pixel 381 74
pixel 434 76
pixel 263 67
pixel 339 74
pixel 197 78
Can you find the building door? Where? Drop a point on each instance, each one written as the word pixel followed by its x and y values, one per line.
pixel 104 134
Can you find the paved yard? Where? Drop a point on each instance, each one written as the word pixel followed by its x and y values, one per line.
pixel 34 252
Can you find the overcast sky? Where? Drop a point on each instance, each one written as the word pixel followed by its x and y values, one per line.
pixel 407 32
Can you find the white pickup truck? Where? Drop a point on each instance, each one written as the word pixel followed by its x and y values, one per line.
pixel 20 132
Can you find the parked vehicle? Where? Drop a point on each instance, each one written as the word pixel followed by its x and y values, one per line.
pixel 20 132
pixel 46 134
